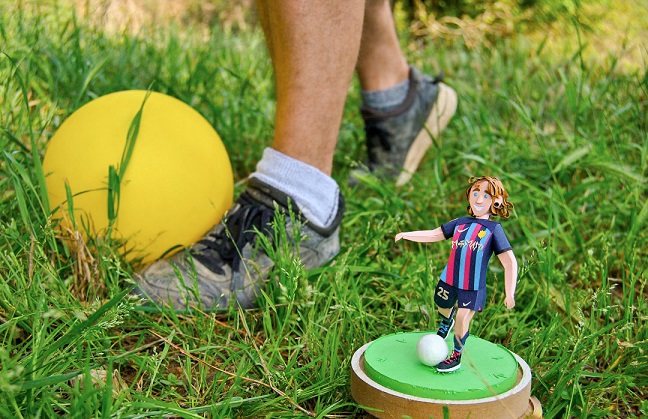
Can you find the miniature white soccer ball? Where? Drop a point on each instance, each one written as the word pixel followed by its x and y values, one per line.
pixel 432 349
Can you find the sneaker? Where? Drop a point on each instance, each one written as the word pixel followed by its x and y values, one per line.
pixel 452 363
pixel 397 140
pixel 228 263
pixel 446 325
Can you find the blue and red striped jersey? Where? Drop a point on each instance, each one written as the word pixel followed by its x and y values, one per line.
pixel 473 243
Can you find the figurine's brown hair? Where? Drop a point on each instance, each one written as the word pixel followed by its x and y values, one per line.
pixel 501 207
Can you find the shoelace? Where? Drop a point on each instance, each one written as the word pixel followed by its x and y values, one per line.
pixel 452 358
pixel 241 227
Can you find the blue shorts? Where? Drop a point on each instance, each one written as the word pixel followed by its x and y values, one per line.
pixel 446 296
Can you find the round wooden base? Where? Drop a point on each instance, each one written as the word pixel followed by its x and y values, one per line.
pixel 383 402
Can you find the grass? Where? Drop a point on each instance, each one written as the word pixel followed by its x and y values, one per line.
pixel 567 137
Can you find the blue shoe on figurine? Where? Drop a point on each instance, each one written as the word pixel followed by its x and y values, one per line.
pixel 445 327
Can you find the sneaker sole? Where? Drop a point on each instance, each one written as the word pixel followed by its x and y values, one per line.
pixel 455 368
pixel 442 112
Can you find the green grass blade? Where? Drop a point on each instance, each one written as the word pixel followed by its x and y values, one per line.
pixel 131 139
pixel 88 79
pixel 77 331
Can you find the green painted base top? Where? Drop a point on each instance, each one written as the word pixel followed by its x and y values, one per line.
pixel 486 369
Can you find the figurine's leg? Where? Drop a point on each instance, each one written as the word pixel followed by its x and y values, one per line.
pixel 464 316
pixel 461 334
pixel 446 312
pixel 447 321
pixel 445 298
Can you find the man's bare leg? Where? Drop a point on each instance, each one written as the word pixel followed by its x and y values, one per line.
pixel 402 107
pixel 314 48
pixel 381 63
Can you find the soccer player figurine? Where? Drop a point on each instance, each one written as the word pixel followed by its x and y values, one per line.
pixel 461 290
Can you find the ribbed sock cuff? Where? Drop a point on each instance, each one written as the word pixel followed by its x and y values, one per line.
pixel 315 193
pixel 387 99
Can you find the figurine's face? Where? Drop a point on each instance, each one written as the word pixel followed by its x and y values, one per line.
pixel 480 200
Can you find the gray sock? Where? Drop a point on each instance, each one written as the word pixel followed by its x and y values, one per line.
pixel 315 193
pixel 387 99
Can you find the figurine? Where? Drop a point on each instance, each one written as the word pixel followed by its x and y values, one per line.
pixel 461 289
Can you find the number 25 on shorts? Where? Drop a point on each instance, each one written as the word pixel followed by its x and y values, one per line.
pixel 442 293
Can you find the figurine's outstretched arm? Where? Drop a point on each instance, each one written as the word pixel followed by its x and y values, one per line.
pixel 423 236
pixel 510 276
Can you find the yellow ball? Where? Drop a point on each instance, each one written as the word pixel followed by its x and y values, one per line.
pixel 177 184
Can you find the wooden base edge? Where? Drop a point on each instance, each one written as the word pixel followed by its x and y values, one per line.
pixel 535 409
pixel 383 402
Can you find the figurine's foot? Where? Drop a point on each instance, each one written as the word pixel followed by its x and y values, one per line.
pixel 229 263
pixel 397 140
pixel 452 363
pixel 446 325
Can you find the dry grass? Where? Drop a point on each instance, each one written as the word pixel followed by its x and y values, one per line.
pixel 135 15
pixel 605 30
pixel 86 282
pixel 497 22
pixel 614 31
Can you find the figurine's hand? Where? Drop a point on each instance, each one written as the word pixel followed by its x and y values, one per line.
pixel 509 302
pixel 399 236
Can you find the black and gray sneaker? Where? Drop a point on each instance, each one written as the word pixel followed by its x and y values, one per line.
pixel 397 140
pixel 229 263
